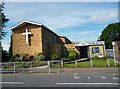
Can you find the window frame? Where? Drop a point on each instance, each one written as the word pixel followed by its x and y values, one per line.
pixel 95 50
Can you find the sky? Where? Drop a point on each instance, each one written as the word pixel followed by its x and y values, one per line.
pixel 78 21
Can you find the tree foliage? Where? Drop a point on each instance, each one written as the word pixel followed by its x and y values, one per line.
pixel 3 20
pixel 110 33
pixel 10 48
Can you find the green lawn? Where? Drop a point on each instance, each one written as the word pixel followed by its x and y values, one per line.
pixel 99 63
pixel 96 63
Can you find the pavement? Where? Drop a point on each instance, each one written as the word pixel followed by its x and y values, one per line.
pixel 72 77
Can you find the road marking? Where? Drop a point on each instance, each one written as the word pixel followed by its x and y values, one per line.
pixel 87 83
pixel 88 77
pixel 115 78
pixel 75 76
pixel 103 77
pixel 11 82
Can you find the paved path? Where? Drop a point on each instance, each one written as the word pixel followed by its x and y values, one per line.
pixel 91 70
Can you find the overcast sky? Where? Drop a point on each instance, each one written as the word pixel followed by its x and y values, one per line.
pixel 78 21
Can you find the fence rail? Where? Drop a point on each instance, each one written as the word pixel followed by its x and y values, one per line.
pixel 50 66
pixel 43 66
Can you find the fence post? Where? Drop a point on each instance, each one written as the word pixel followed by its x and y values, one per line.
pixel 58 66
pixel 108 62
pixel 91 62
pixel 49 66
pixel 62 63
pixel 31 67
pixel 14 67
pixel 76 63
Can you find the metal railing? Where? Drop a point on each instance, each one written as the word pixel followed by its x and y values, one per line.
pixel 42 66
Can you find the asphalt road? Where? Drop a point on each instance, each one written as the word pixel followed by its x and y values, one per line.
pixel 60 80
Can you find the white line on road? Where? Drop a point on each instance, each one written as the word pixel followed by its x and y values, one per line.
pixel 115 78
pixel 87 83
pixel 103 77
pixel 11 82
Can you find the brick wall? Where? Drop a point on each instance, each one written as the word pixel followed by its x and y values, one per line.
pixel 19 40
pixel 117 49
pixel 48 39
pixel 63 40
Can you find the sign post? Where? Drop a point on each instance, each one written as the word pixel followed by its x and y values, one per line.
pixel 113 43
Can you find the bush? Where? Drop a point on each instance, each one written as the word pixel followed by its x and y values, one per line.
pixel 19 58
pixel 39 57
pixel 5 56
pixel 15 58
pixel 25 65
pixel 65 54
pixel 24 57
pixel 53 56
pixel 31 58
pixel 72 57
pixel 5 67
pixel 72 53
pixel 105 57
pixel 65 59
pixel 95 57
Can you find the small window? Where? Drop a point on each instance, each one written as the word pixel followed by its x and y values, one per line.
pixel 95 50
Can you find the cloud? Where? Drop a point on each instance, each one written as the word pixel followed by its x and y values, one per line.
pixel 100 19
pixel 80 33
pixel 56 16
pixel 6 44
pixel 64 21
pixel 90 39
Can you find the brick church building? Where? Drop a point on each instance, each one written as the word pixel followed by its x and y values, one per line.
pixel 29 38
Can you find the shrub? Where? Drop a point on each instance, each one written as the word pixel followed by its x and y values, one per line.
pixel 5 56
pixel 65 59
pixel 72 52
pixel 25 65
pixel 72 57
pixel 95 57
pixel 65 54
pixel 31 58
pixel 24 57
pixel 15 58
pixel 53 56
pixel 5 67
pixel 39 57
pixel 105 57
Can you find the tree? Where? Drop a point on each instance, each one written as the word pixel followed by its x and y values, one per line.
pixel 5 56
pixel 10 48
pixel 110 33
pixel 3 20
